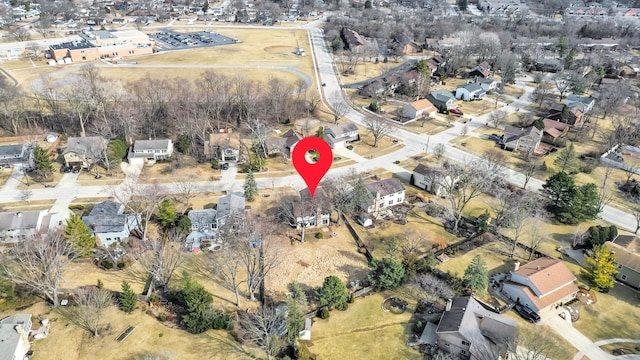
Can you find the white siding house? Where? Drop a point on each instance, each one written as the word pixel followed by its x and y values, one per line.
pixel 150 151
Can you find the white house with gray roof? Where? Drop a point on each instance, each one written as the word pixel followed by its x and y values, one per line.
pixel 108 224
pixel 20 225
pixel 16 154
pixel 14 336
pixel 150 151
pixel 469 92
pixel 384 194
pixel 340 135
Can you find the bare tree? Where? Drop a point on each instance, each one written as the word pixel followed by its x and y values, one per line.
pixel 438 151
pixel 19 33
pixel 224 267
pixel 378 128
pixel 430 287
pixel 340 109
pixel 466 183
pixel 339 192
pixel 634 208
pixel 528 168
pixel 139 199
pixel 497 118
pixel 542 92
pixel 534 345
pixel 521 209
pixel 186 188
pixel 536 235
pixel 161 263
pixel 562 85
pixel 265 328
pixel 88 309
pixel 42 26
pixel 38 265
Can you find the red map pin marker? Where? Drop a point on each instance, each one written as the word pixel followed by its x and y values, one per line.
pixel 312 173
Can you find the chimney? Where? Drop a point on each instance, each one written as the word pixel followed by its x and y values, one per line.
pixel 516 266
pixel 449 303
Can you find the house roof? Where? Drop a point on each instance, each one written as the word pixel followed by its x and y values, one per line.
pixel 83 145
pixel 107 217
pixel 487 80
pixel 16 149
pixel 586 100
pixel 554 128
pixel 512 133
pixel 629 258
pixel 480 327
pixel 9 336
pixel 443 95
pixel 353 38
pixel 484 68
pixel 107 208
pixel 145 145
pixel 227 139
pixel 385 187
pixel 427 170
pixel 343 129
pixel 547 299
pixel 546 274
pixel 300 207
pixel 404 40
pixel 231 204
pixel 291 137
pixel 205 216
pixel 423 104
pixel 21 220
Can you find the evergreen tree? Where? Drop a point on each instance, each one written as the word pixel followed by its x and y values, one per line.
pixel 567 159
pixel 386 274
pixel 583 206
pixel 297 293
pixel 476 276
pixel 360 196
pixel 561 188
pixel 250 187
pixel 117 150
pixel 41 162
pixel 128 298
pixel 198 316
pixel 167 214
pixel 294 320
pixel 333 292
pixel 78 235
pixel 337 44
pixel 601 268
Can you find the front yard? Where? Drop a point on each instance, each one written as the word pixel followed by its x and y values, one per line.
pixel 614 315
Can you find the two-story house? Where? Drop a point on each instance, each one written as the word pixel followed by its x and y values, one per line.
pixel 20 225
pixel 203 227
pixel 384 194
pixel 150 151
pixel 108 224
pixel 84 151
pixel 16 154
pixel 469 331
pixel 308 212
pixel 488 84
pixel 14 336
pixel 223 146
pixel 572 115
pixel 211 224
pixel 442 99
pixel 339 136
pixel 586 102
pixel 434 180
pixel 627 253
pixel 540 284
pixel 521 139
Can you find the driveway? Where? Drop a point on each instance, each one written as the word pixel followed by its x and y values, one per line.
pixel 565 329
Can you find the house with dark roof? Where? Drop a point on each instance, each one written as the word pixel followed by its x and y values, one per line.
pixel 84 151
pixel 469 331
pixel 627 253
pixel 540 284
pixel 210 224
pixel 482 70
pixel 586 102
pixel 354 42
pixel 20 225
pixel 434 180
pixel 418 109
pixel 384 194
pixel 521 139
pixel 566 114
pixel 150 151
pixel 16 154
pixel 108 224
pixel 339 136
pixel 284 144
pixel 14 336
pixel 471 91
pixel 308 212
pixel 223 145
pixel 442 99
pixel 488 84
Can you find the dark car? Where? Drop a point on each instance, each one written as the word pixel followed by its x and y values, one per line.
pixel 527 313
pixel 67 169
pixel 225 166
pixel 495 137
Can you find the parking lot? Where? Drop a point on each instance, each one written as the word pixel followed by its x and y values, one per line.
pixel 171 40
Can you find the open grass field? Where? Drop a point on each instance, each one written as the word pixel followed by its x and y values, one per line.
pixel 68 342
pixel 133 74
pixel 364 329
pixel 476 108
pixel 367 70
pixel 614 315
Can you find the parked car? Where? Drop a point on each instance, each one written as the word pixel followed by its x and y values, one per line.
pixel 494 137
pixel 225 166
pixel 527 313
pixel 456 111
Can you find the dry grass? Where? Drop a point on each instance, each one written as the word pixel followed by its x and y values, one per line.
pixel 492 254
pixel 133 74
pixel 367 70
pixel 364 329
pixel 629 347
pixel 614 315
pixel 430 127
pixel 186 168
pixel 476 108
pixel 514 91
pixel 562 349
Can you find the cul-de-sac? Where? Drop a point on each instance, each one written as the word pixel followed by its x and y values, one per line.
pixel 482 202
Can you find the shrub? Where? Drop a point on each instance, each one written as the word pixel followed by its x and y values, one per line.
pixel 342 306
pixel 153 298
pixel 350 147
pixel 352 298
pixel 323 313
pixel 319 235
pixel 302 352
pixel 373 106
pixel 76 207
pixel 107 264
pixel 121 265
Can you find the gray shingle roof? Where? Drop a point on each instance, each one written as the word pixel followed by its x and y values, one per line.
pixel 85 145
pixel 11 150
pixel 106 217
pixel 230 204
pixel 20 220
pixel 145 145
pixel 385 187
